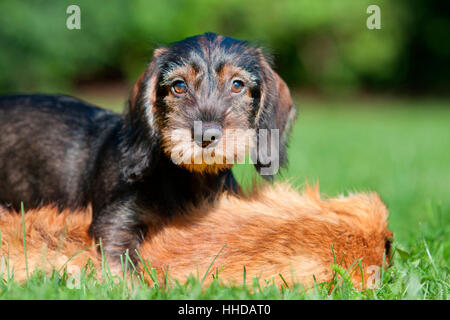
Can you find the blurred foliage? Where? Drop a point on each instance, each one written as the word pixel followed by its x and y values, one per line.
pixel 321 44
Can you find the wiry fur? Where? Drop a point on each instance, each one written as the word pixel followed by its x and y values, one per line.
pixel 60 151
pixel 51 239
pixel 231 149
pixel 273 231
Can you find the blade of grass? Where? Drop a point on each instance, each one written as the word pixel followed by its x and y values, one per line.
pixel 24 238
pixel 382 269
pixel 427 250
pixel 150 274
pixel 362 274
pixel 245 276
pixel 285 283
pixel 106 271
pixel 166 274
pixel 74 255
pixel 206 273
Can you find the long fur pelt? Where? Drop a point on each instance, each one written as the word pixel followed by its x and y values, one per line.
pixel 273 231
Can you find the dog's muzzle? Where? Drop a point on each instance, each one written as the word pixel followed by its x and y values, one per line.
pixel 209 135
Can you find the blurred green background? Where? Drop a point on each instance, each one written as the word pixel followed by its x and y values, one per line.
pixel 320 46
pixel 374 104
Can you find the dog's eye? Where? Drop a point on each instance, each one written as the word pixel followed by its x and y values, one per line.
pixel 179 87
pixel 237 86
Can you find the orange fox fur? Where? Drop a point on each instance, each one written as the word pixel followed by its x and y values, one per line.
pixel 274 231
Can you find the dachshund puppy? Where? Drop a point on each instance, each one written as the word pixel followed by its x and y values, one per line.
pixel 164 154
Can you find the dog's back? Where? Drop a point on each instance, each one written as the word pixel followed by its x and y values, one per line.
pixel 46 149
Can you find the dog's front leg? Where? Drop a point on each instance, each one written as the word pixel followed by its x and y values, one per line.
pixel 118 230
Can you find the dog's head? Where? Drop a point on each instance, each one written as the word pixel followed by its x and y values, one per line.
pixel 205 101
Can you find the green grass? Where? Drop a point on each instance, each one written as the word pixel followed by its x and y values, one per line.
pixel 401 149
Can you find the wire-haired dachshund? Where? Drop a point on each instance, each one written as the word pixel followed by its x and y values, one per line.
pixel 152 161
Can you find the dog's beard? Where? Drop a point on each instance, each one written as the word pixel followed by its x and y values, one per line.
pixel 229 150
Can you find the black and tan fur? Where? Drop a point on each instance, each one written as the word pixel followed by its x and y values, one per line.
pixel 58 150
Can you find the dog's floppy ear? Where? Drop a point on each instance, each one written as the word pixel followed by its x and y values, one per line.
pixel 140 134
pixel 276 111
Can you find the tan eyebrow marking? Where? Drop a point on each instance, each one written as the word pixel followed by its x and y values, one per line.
pixel 186 72
pixel 228 71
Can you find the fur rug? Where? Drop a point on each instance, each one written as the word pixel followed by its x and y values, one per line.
pixel 276 230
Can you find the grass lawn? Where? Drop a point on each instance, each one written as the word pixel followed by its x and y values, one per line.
pixel 401 149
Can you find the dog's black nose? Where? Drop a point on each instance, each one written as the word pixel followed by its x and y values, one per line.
pixel 210 134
